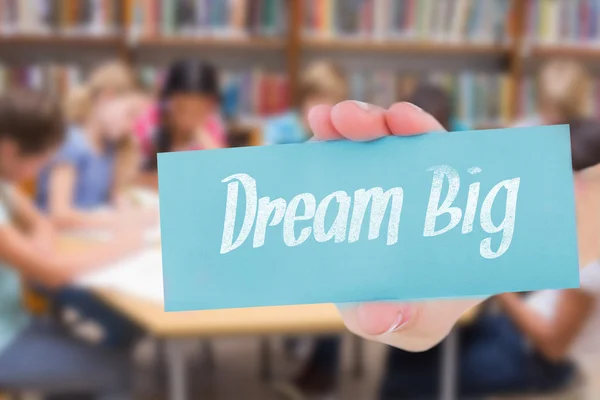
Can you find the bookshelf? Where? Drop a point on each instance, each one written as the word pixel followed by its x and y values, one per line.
pixel 395 46
pixel 249 44
pixel 294 29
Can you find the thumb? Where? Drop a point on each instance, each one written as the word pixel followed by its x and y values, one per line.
pixel 408 326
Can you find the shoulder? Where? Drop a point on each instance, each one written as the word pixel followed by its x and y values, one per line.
pixel 458 125
pixel 283 128
pixel 74 147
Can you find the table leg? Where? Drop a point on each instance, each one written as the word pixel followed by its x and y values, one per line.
pixel 176 359
pixel 266 370
pixel 359 356
pixel 449 367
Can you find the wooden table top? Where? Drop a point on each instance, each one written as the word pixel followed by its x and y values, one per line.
pixel 299 319
pixel 318 318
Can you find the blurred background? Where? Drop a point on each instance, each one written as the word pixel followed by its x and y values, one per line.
pixel 203 74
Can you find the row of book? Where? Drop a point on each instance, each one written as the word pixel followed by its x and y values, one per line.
pixel 569 22
pixel 69 17
pixel 51 77
pixel 207 17
pixel 479 21
pixel 479 99
pixel 144 17
pixel 252 93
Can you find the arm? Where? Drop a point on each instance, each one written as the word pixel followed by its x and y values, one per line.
pixel 147 179
pixel 62 211
pixel 33 222
pixel 552 337
pixel 54 268
pixel 28 215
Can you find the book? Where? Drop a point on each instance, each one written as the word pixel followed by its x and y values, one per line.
pixel 51 77
pixel 70 17
pixel 200 18
pixel 484 21
pixel 563 22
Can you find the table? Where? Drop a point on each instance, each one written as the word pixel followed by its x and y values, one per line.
pixel 309 319
pixel 449 361
pixel 175 327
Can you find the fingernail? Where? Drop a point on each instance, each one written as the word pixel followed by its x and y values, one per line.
pixel 383 318
pixel 416 107
pixel 398 323
pixel 362 105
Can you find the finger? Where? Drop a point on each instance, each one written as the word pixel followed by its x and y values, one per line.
pixel 359 121
pixel 407 119
pixel 319 120
pixel 409 326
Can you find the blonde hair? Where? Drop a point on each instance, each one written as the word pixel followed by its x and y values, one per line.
pixel 563 87
pixel 112 78
pixel 323 78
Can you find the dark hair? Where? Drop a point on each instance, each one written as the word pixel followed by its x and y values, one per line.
pixel 434 100
pixel 585 143
pixel 183 77
pixel 33 120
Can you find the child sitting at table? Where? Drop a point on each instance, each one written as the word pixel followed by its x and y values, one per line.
pixel 321 83
pixel 186 117
pixel 561 94
pixel 36 354
pixel 77 189
pixel 531 346
pixel 80 180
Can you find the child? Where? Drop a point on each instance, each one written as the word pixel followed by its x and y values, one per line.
pixel 434 100
pixel 187 116
pixel 562 93
pixel 531 346
pixel 36 355
pixel 77 190
pixel 81 178
pixel 321 83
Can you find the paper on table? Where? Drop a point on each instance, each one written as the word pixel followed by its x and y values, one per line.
pixel 139 275
pixel 144 198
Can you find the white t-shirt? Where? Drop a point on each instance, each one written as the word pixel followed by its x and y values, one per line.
pixel 545 302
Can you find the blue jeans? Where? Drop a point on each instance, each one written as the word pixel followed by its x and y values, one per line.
pixel 119 332
pixel 494 358
pixel 44 358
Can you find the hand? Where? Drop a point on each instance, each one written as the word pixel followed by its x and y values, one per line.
pixel 409 326
pixel 147 217
pixel 130 236
pixel 44 238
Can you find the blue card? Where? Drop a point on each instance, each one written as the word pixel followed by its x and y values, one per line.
pixel 401 218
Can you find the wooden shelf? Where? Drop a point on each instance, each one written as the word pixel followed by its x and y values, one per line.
pixel 564 51
pixel 252 43
pixel 61 40
pixel 403 46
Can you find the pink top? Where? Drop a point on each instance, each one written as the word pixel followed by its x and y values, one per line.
pixel 146 128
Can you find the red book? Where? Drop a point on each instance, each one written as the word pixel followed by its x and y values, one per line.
pixel 284 94
pixel 263 90
pixel 584 19
pixel 409 15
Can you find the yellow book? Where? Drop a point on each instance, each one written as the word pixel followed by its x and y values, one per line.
pixel 238 16
pixel 327 18
pixel 544 18
pixel 506 91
